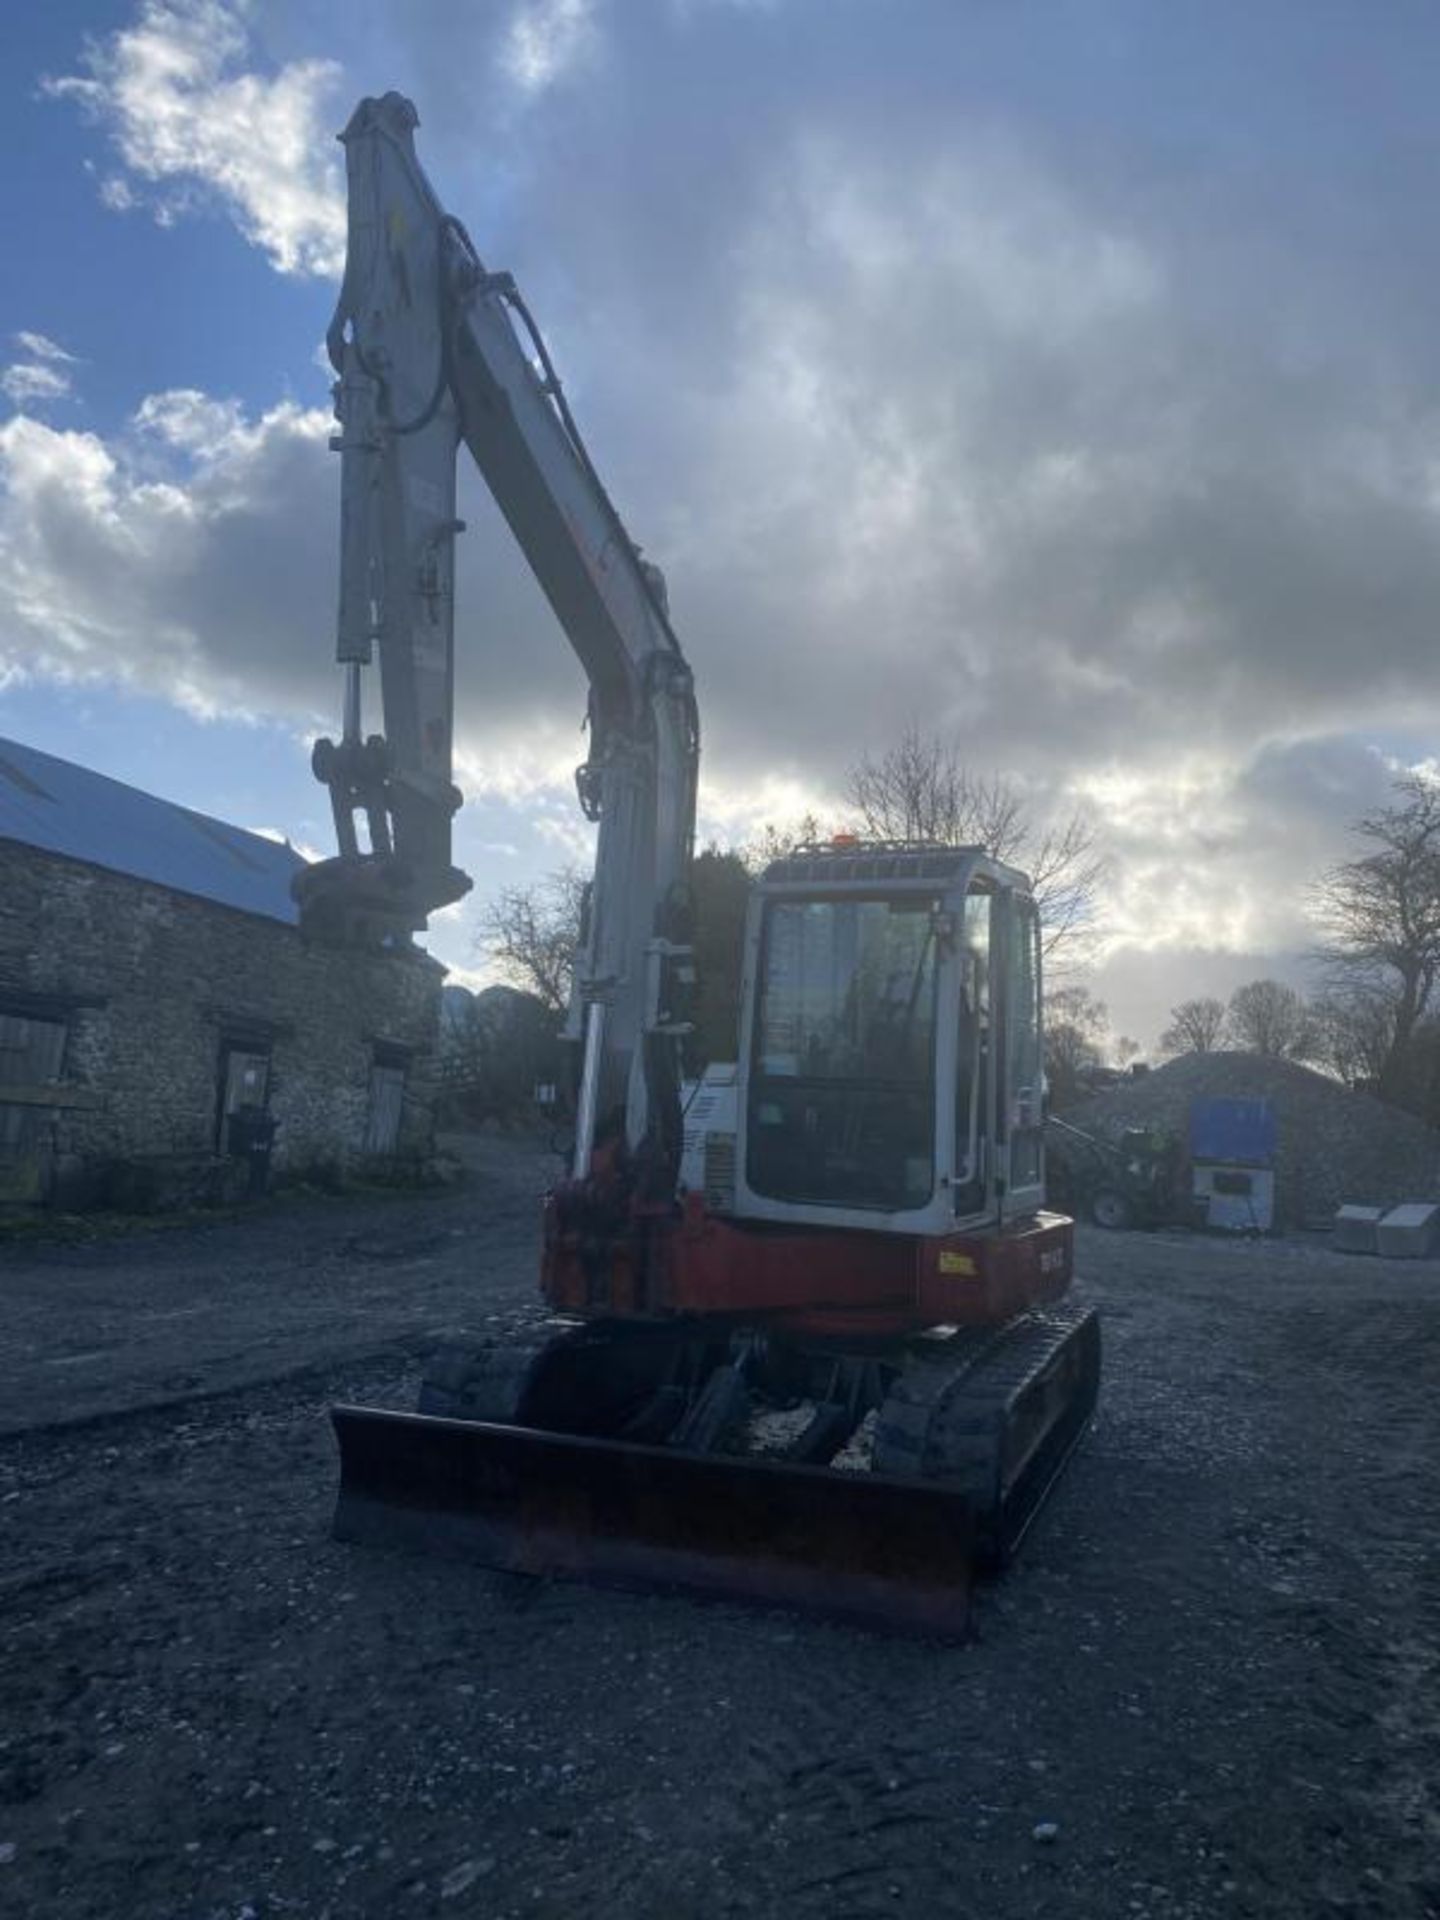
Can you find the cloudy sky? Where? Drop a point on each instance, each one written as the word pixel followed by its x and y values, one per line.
pixel 1063 376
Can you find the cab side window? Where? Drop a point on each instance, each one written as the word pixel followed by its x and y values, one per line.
pixel 973 1060
pixel 1025 1116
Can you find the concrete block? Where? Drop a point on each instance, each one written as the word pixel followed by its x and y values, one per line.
pixel 1357 1229
pixel 1410 1232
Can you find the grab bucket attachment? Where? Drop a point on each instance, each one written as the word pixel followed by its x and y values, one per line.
pixel 881 1551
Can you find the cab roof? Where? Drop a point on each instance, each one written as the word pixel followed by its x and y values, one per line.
pixel 845 862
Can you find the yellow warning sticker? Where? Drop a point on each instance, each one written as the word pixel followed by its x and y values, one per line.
pixel 956 1262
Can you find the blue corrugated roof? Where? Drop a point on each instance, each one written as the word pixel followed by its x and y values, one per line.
pixel 61 808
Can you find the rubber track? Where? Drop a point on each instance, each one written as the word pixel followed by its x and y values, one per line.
pixel 466 1382
pixel 950 1419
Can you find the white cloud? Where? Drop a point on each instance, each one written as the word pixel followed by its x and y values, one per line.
pixel 281 837
pixel 191 125
pixel 118 195
pixel 194 556
pixel 28 382
pixel 1085 457
pixel 41 376
pixel 737 813
pixel 169 558
pixel 195 423
pixel 40 347
pixel 473 979
pixel 545 40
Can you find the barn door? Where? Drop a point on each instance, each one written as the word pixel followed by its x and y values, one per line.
pixel 387 1099
pixel 31 1052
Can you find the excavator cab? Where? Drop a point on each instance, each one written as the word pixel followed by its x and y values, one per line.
pixel 890 1055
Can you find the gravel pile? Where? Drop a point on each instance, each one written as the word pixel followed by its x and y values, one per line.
pixel 1335 1146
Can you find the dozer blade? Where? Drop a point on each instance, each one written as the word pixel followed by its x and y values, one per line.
pixel 858 1547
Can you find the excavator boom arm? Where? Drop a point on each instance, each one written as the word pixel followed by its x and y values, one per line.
pixel 427 354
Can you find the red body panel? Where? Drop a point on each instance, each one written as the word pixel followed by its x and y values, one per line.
pixel 827 1282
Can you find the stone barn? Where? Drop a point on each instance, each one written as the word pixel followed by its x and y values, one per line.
pixel 154 985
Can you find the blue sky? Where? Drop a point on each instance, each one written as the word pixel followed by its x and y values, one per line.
pixel 1065 377
pixel 145 307
pixel 142 308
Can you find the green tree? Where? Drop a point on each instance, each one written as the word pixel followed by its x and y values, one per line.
pixel 496 1047
pixel 720 891
pixel 1076 1024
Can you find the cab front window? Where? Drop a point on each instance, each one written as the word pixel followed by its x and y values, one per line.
pixel 842 1091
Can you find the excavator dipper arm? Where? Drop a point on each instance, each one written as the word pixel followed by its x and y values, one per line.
pixel 427 353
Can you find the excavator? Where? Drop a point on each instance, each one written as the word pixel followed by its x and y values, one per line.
pixel 811 1339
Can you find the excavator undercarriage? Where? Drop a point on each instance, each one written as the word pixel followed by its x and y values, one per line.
pixel 869 1487
pixel 864 1478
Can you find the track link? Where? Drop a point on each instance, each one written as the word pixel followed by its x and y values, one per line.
pixel 485 1382
pixel 997 1417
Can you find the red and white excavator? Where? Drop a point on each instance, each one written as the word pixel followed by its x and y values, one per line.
pixel 813 1341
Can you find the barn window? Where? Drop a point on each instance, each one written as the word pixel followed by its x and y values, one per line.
pixel 244 1082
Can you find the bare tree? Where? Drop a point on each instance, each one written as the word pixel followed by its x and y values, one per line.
pixel 1267 1017
pixel 1195 1027
pixel 1354 1029
pixel 776 841
pixel 531 933
pixel 921 789
pixel 1380 920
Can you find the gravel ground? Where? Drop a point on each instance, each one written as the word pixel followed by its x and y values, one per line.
pixel 1212 1687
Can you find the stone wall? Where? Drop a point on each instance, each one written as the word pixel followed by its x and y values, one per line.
pixel 155 985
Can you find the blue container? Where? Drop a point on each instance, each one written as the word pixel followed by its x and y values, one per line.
pixel 1239 1133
